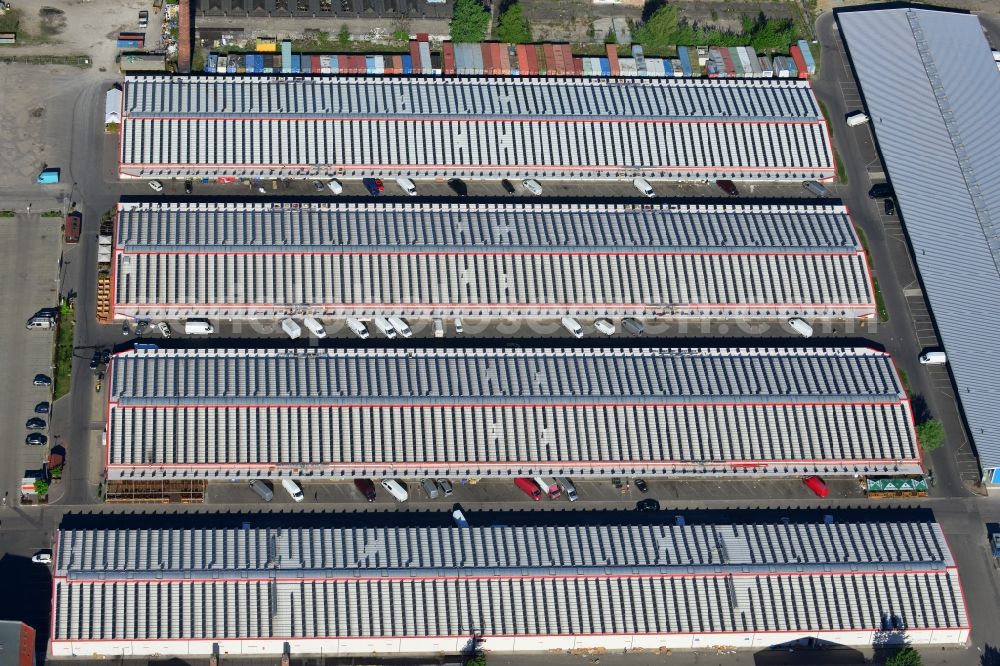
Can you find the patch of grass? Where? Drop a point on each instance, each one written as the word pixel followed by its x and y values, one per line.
pixel 905 379
pixel 64 351
pixel 52 213
pixel 10 21
pixel 112 128
pixel 841 169
pixel 81 61
pixel 7 213
pixel 883 312
pixel 838 163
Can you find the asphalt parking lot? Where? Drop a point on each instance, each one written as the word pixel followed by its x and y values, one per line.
pixel 30 247
pixel 494 493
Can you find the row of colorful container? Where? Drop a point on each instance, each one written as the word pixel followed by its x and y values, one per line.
pixel 131 40
pixel 522 60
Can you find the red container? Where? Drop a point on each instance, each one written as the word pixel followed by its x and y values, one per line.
pixel 73 224
pixel 800 62
pixel 533 66
pixel 616 69
pixel 505 52
pixel 727 62
pixel 415 56
pixel 448 56
pixel 316 66
pixel 524 60
pixel 529 487
pixel 397 64
pixel 487 58
pixel 423 37
pixel 498 50
pixel 578 66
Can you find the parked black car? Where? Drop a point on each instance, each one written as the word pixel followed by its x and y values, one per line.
pixel 188 186
pixel 890 206
pixel 647 505
pixel 880 190
pixel 42 380
pixel 42 408
pixel 95 360
pixel 729 187
pixel 458 186
pixel 508 187
pixel 641 486
pixel 36 439
pixel 35 423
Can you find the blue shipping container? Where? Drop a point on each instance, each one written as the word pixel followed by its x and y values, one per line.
pixel 807 56
pixel 334 64
pixel 286 57
pixel 296 64
pixel 128 43
pixel 685 58
pixel 370 64
pixel 605 67
pixel 407 65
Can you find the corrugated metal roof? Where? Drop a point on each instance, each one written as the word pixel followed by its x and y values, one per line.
pixel 506 412
pixel 316 127
pixel 940 149
pixel 476 228
pixel 178 260
pixel 798 590
pixel 687 549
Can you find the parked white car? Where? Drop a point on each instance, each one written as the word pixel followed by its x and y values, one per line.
pixel 605 326
pixel 532 186
pixel 164 329
pixel 801 326
pixel 290 328
pixel 156 185
pixel 335 186
pixel 44 557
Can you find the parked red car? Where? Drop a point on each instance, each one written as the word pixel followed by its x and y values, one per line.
pixel 729 187
pixel 816 485
pixel 529 487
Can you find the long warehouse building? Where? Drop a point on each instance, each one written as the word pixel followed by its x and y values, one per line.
pixel 254 260
pixel 319 127
pixel 350 591
pixel 341 413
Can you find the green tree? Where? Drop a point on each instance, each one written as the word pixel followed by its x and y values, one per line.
pixel 469 21
pixel 478 660
pixel 906 656
pixel 41 487
pixel 344 36
pixel 513 27
pixel 930 434
pixel 660 31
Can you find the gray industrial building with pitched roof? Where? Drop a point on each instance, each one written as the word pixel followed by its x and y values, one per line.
pixel 427 127
pixel 348 259
pixel 933 112
pixel 328 414
pixel 125 592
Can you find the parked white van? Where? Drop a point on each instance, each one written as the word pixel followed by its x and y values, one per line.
pixel 314 327
pixel 605 326
pixel 401 326
pixel 290 328
pixel 407 186
pixel 40 322
pixel 573 326
pixel 568 488
pixel 358 328
pixel 198 327
pixel 643 186
pixel 293 489
pixel 933 358
pixel 801 326
pixel 396 489
pixel 382 324
pixel 438 328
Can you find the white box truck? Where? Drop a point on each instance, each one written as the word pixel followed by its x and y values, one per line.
pixel 856 118
pixel 801 326
pixel 290 328
pixel 198 327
